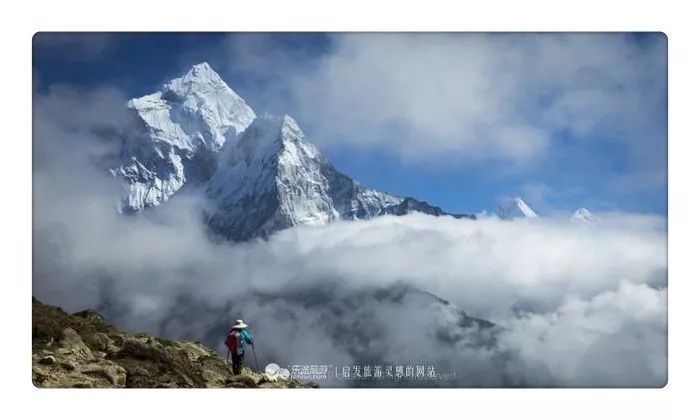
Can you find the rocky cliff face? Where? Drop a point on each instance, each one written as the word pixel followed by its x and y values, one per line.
pixel 83 351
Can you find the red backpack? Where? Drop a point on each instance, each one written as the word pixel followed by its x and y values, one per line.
pixel 233 341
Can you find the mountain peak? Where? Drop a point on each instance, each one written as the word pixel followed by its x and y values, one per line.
pixel 272 135
pixel 199 93
pixel 514 207
pixel 584 215
pixel 290 123
pixel 277 123
pixel 199 77
pixel 203 66
pixel 181 129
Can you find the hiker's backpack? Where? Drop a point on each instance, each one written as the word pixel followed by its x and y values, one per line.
pixel 233 342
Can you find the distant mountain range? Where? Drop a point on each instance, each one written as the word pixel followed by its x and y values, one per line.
pixel 516 208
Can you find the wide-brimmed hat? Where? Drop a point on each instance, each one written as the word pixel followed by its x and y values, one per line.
pixel 239 324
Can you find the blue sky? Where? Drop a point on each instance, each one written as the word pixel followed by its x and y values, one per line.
pixel 458 120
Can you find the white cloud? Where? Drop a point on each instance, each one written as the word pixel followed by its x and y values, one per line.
pixel 469 97
pixel 616 338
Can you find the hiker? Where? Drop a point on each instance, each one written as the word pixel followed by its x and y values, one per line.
pixel 237 335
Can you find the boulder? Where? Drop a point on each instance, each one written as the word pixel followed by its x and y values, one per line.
pixel 71 341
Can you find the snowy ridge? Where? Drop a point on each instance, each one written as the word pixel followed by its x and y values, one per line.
pixel 514 208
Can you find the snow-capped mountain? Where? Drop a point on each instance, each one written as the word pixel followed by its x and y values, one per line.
pixel 273 178
pixel 583 215
pixel 260 174
pixel 513 208
pixel 177 134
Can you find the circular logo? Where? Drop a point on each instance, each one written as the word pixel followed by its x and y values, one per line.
pixel 284 373
pixel 272 370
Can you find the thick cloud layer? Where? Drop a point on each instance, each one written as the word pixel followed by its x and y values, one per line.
pixel 573 305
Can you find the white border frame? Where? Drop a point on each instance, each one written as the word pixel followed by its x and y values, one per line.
pixel 21 20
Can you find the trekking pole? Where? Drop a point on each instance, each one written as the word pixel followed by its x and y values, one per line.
pixel 257 367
